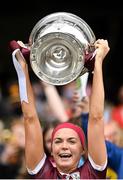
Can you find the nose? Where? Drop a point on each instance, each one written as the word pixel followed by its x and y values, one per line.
pixel 65 145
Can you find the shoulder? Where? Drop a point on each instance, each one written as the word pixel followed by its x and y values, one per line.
pixel 47 171
pixel 87 172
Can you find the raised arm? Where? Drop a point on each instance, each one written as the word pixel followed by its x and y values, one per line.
pixel 96 141
pixel 34 150
pixel 55 102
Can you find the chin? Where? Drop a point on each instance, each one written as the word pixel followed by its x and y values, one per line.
pixel 66 167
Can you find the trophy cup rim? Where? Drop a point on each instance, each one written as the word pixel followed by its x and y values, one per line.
pixel 74 33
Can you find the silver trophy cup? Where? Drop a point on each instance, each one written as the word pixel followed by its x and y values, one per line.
pixel 59 44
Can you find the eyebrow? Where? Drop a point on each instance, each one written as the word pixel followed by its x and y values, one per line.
pixel 70 138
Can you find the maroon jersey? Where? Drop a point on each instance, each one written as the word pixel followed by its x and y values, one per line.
pixel 85 172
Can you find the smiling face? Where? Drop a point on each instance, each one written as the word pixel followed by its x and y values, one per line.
pixel 66 149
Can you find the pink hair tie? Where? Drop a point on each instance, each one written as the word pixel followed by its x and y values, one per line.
pixel 76 128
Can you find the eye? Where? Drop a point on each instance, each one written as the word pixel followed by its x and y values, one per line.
pixel 72 141
pixel 57 141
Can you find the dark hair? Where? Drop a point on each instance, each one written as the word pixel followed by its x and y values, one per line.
pixel 76 120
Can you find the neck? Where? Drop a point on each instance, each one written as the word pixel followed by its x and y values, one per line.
pixel 66 170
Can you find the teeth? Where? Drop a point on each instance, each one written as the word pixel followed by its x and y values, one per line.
pixel 65 155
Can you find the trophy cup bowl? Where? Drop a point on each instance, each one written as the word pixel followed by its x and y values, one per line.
pixel 59 43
